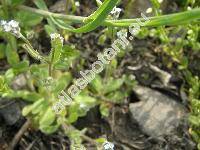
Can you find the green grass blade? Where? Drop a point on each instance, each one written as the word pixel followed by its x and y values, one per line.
pixel 98 17
pixel 164 20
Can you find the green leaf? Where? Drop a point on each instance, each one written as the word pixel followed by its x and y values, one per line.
pixel 26 95
pixel 83 98
pixel 26 110
pixel 130 80
pixel 17 2
pixel 49 129
pixel 97 85
pixel 100 140
pixel 42 5
pixel 113 84
pixel 117 96
pixel 68 55
pixel 75 146
pixel 62 64
pixel 28 19
pixel 43 105
pixel 39 72
pixel 99 3
pixel 21 67
pixel 93 21
pixel 49 29
pixel 155 3
pixel 72 117
pixel 85 102
pixel 9 75
pixel 104 110
pixel 184 63
pixel 2 51
pixel 56 45
pixel 73 113
pixel 12 56
pixel 14 2
pixel 75 136
pixel 3 85
pixel 62 82
pixel 195 136
pixel 69 51
pixel 102 39
pixel 198 146
pixel 48 118
pixel 195 120
pixel 80 107
pixel 33 107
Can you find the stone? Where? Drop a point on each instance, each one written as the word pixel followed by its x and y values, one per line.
pixel 156 113
pixel 10 111
pixel 19 82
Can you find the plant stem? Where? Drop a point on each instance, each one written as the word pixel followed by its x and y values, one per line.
pixel 67 6
pixel 51 62
pixel 31 50
pixel 68 128
pixel 75 19
pixel 50 69
pixel 19 134
pixel 170 19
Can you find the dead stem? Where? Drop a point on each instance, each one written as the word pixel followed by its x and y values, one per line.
pixel 19 134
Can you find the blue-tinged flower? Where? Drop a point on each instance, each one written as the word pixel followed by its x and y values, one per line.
pixel 108 146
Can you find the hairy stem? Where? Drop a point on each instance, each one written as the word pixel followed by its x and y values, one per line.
pixel 51 62
pixel 75 19
pixel 28 47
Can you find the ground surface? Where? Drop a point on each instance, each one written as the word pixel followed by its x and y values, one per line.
pixel 121 127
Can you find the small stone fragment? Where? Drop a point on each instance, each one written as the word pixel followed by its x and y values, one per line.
pixel 156 113
pixel 19 82
pixel 10 111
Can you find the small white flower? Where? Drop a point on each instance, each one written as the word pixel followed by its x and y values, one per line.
pixel 77 4
pixel 115 12
pixel 3 22
pixel 82 105
pixel 122 33
pixel 48 81
pixel 160 1
pixel 108 146
pixel 190 31
pixel 189 8
pixel 132 77
pixel 11 26
pixel 55 36
pixel 7 28
pixel 14 24
pixel 149 10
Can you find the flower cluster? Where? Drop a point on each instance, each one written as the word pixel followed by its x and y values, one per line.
pixel 56 36
pixel 77 4
pixel 115 12
pixel 11 26
pixel 108 146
